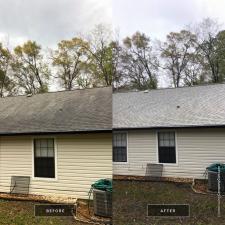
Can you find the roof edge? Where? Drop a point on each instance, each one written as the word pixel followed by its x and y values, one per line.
pixel 59 91
pixel 168 127
pixel 56 132
pixel 167 88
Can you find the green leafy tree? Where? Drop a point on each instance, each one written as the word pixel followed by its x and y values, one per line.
pixel 7 86
pixel 70 59
pixel 180 58
pixel 220 52
pixel 194 73
pixel 138 62
pixel 30 71
pixel 86 80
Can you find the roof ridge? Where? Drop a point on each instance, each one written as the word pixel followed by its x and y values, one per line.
pixel 53 92
pixel 168 88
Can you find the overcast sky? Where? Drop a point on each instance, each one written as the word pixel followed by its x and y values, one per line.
pixel 159 17
pixel 48 21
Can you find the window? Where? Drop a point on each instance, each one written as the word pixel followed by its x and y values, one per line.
pixel 44 158
pixel 119 147
pixel 166 147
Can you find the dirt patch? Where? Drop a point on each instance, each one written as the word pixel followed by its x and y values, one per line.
pixel 149 178
pixel 38 198
pixel 85 213
pixel 201 186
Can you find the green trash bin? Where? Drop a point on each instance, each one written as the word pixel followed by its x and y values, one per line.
pixel 103 184
pixel 102 197
pixel 213 176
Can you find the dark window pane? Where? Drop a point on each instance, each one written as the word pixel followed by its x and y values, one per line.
pixel 119 147
pixel 45 167
pixel 119 154
pixel 167 155
pixel 166 147
pixel 44 161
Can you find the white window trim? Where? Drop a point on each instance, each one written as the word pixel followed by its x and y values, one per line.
pixel 157 148
pixel 121 163
pixel 55 157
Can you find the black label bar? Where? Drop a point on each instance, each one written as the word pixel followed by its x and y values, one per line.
pixel 168 210
pixel 55 210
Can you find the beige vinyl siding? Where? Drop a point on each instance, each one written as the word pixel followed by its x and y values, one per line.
pixel 81 160
pixel 196 149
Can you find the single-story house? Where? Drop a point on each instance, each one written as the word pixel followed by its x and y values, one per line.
pixel 182 129
pixel 61 140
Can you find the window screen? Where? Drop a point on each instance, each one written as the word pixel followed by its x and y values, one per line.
pixel 119 147
pixel 44 158
pixel 166 147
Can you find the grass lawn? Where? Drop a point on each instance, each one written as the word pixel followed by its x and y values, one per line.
pixel 130 199
pixel 22 213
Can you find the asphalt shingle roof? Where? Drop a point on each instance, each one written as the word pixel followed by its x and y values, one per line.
pixel 179 107
pixel 66 111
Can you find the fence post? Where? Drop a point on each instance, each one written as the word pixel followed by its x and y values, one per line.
pixel 219 194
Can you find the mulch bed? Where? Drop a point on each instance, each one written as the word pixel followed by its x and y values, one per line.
pixel 86 214
pixel 201 186
pixel 37 198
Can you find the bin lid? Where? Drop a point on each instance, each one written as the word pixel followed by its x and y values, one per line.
pixel 103 184
pixel 214 167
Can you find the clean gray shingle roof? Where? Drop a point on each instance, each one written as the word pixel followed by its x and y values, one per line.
pixel 179 107
pixel 66 111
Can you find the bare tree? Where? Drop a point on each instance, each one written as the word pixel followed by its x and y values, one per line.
pixel 101 54
pixel 118 78
pixel 210 44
